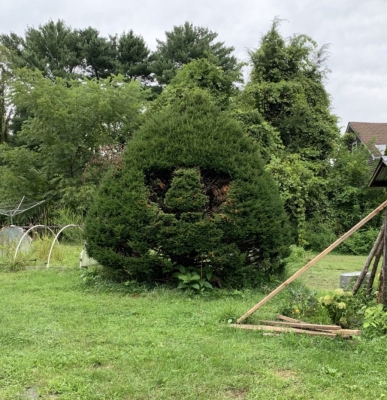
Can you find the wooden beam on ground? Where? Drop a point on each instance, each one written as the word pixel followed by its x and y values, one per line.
pixel 303 325
pixel 312 262
pixel 288 319
pixel 371 255
pixel 281 329
pixel 346 333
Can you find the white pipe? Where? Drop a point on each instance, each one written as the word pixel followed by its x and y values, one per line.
pixel 56 237
pixel 26 233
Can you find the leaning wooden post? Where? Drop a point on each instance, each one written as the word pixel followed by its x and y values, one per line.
pixel 312 262
pixel 371 255
pixel 375 267
pixel 384 271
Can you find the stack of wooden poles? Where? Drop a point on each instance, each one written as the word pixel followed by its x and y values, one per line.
pixel 288 324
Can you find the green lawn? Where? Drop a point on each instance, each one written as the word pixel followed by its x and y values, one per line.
pixel 62 339
pixel 325 274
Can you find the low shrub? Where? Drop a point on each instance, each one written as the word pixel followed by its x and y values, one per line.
pixel 375 321
pixel 299 302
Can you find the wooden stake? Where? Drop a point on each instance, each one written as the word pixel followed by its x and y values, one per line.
pixel 384 271
pixel 312 262
pixel 375 267
pixel 371 255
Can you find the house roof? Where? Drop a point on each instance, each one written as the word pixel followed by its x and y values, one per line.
pixel 371 132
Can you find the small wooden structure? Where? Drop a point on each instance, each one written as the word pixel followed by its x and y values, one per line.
pixel 379 179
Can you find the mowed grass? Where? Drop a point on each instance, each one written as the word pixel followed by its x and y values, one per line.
pixel 325 274
pixel 62 339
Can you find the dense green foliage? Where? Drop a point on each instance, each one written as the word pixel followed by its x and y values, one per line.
pixel 192 192
pixel 63 127
pixel 71 120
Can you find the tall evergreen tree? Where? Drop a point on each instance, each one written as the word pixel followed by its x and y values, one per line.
pixel 133 56
pixel 186 43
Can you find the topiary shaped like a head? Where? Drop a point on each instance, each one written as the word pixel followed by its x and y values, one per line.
pixel 192 192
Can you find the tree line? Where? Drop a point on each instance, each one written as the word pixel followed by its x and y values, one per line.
pixel 71 100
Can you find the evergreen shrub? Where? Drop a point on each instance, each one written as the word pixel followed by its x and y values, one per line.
pixel 192 192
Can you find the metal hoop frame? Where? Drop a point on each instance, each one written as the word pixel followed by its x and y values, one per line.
pixel 26 233
pixel 56 237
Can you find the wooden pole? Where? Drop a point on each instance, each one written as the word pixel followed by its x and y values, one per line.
pixel 384 271
pixel 371 255
pixel 375 267
pixel 312 262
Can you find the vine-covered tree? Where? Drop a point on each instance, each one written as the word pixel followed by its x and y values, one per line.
pixel 287 89
pixel 186 43
pixel 192 192
pixel 287 82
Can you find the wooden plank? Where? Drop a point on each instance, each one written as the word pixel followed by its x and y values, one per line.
pixel 288 319
pixel 312 262
pixel 347 332
pixel 303 325
pixel 281 329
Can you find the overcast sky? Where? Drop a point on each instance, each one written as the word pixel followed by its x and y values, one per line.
pixel 355 29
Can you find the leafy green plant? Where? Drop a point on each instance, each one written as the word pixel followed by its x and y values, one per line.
pixel 375 321
pixel 189 278
pixel 297 254
pixel 299 302
pixel 346 309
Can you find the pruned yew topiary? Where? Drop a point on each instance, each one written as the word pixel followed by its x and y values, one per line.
pixel 193 193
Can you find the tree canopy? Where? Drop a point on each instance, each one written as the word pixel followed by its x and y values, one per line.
pixel 72 99
pixel 70 120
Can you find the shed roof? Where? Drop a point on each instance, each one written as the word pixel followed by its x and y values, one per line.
pixel 379 177
pixel 371 132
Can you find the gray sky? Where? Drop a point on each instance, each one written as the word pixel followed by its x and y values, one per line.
pixel 355 29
